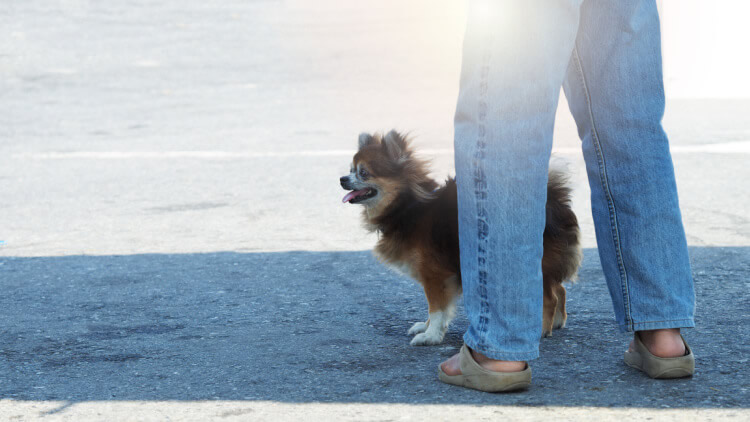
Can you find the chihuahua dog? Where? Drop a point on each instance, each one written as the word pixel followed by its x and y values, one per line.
pixel 418 225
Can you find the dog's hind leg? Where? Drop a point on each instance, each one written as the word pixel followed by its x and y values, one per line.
pixel 560 315
pixel 549 307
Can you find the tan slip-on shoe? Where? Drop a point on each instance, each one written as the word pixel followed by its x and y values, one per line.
pixel 478 378
pixel 656 367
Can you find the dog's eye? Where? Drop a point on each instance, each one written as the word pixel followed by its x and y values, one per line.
pixel 362 173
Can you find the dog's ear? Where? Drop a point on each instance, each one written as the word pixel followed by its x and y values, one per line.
pixel 365 139
pixel 395 145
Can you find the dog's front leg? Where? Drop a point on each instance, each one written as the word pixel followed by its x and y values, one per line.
pixel 419 327
pixel 434 328
pixel 441 300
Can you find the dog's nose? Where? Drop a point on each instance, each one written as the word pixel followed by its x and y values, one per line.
pixel 344 182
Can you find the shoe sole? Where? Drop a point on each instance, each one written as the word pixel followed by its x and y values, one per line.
pixel 660 368
pixel 487 387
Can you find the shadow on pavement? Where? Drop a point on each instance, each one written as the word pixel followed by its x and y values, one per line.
pixel 321 326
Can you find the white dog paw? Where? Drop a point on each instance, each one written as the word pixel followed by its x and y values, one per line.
pixel 559 321
pixel 417 328
pixel 427 339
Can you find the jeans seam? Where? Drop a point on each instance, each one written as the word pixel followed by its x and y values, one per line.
pixel 502 355
pixel 663 320
pixel 607 193
pixel 480 195
pixel 683 323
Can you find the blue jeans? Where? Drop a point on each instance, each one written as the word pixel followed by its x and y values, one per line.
pixel 607 57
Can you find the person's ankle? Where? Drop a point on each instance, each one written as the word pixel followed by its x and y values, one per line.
pixel 664 343
pixel 497 365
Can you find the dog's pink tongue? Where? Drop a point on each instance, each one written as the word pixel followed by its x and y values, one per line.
pixel 353 194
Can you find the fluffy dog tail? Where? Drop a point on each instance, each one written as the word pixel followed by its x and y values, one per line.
pixel 562 235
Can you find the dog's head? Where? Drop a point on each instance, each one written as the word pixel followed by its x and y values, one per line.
pixel 382 170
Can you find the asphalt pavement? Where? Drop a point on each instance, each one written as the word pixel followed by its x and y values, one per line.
pixel 173 243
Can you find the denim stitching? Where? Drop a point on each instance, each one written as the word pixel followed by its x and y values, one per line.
pixel 480 195
pixel 490 352
pixel 663 320
pixel 605 186
pixel 637 326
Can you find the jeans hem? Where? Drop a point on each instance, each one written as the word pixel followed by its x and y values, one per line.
pixel 500 354
pixel 657 325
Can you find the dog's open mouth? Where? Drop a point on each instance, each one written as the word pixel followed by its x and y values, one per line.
pixel 359 195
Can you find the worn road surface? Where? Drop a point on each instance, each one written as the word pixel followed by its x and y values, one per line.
pixel 173 243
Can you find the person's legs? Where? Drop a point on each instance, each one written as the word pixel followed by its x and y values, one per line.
pixel 514 61
pixel 615 90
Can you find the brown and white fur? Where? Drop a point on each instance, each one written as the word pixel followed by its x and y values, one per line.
pixel 418 225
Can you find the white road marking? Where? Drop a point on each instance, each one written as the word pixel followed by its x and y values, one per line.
pixel 741 147
pixel 211 155
pixel 146 63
